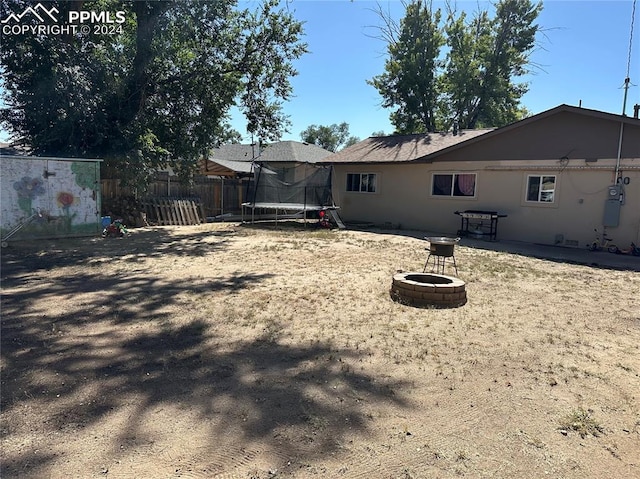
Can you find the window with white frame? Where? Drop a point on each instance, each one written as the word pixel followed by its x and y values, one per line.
pixel 362 182
pixel 541 188
pixel 453 184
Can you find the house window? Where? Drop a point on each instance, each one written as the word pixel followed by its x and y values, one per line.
pixel 454 184
pixel 362 182
pixel 541 189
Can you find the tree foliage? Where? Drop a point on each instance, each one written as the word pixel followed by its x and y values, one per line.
pixel 157 93
pixel 474 82
pixel 332 137
pixel 410 80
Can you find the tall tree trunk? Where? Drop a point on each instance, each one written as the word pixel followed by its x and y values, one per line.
pixel 148 14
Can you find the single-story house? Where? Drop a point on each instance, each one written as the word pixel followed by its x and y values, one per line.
pixel 552 178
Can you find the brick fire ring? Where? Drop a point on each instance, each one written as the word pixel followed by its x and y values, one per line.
pixel 428 290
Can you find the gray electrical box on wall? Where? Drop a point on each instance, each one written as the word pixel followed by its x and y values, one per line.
pixel 612 206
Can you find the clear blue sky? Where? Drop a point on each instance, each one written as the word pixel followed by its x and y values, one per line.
pixel 582 56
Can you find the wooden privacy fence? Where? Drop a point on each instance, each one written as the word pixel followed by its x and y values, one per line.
pixel 173 211
pixel 216 196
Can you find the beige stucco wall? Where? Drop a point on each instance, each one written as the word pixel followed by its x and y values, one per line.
pixel 578 147
pixel 404 198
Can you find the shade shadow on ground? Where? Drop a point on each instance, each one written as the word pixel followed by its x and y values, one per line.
pixel 124 343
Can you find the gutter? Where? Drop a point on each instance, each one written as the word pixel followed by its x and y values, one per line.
pixel 558 168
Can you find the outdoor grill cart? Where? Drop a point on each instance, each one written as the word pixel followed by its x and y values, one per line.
pixel 479 224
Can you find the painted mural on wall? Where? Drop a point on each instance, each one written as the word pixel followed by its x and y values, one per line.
pixel 49 198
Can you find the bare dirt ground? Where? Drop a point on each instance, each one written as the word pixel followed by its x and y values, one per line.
pixel 226 351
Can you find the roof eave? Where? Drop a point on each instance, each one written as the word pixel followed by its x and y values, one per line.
pixel 525 121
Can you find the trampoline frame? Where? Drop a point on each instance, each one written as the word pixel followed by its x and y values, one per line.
pixel 297 207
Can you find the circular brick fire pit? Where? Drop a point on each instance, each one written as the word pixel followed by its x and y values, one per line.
pixel 425 290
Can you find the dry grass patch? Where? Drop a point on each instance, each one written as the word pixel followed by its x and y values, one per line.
pixel 581 422
pixel 228 351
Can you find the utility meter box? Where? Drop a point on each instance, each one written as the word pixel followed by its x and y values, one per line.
pixel 612 206
pixel 614 192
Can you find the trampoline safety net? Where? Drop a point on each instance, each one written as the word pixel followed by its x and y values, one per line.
pixel 306 185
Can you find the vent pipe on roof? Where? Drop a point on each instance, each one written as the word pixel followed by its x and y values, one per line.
pixel 455 127
pixel 636 110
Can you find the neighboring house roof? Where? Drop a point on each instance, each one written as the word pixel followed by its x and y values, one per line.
pixel 229 168
pixel 401 148
pixel 220 167
pixel 293 151
pixel 233 159
pixel 429 146
pixel 235 152
pixel 282 151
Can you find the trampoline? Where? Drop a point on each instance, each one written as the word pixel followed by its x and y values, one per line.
pixel 289 191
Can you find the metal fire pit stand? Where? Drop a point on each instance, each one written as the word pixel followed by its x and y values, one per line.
pixel 441 248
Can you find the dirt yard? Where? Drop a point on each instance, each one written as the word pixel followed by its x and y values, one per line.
pixel 227 351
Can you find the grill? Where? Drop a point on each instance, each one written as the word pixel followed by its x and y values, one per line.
pixel 484 223
pixel 477 215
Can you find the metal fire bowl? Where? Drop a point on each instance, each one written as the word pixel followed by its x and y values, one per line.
pixel 442 240
pixel 442 246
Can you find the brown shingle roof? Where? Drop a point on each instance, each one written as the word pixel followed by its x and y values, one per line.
pixel 280 151
pixel 400 148
pixel 296 151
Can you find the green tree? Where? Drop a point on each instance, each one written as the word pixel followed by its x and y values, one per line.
pixel 156 93
pixel 332 137
pixel 485 57
pixel 378 133
pixel 409 83
pixel 474 84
